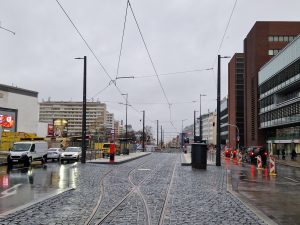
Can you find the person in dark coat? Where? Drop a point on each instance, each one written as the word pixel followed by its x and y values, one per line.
pixel 278 153
pixel 293 155
pixel 283 154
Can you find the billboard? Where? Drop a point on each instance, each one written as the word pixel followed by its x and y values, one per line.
pixel 60 127
pixel 8 119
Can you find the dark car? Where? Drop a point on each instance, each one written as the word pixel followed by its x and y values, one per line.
pixel 254 151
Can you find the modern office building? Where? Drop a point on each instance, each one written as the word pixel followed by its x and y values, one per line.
pixel 224 121
pixel 264 40
pixel 279 99
pixel 236 74
pixel 19 109
pixel 69 115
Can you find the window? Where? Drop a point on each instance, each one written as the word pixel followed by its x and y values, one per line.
pixel 270 52
pixel 280 38
pixel 276 38
pixel 271 38
pixel 291 38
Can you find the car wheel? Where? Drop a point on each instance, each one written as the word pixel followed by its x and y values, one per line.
pixel 9 162
pixel 28 162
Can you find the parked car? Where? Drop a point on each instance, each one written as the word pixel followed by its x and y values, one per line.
pixel 71 154
pixel 254 151
pixel 54 154
pixel 27 152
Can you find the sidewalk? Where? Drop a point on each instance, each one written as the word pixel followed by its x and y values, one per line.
pixel 120 158
pixel 289 162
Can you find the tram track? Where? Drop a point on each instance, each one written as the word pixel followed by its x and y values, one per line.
pixel 139 177
pixel 92 219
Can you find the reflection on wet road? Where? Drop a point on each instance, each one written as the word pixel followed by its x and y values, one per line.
pixel 20 185
pixel 276 196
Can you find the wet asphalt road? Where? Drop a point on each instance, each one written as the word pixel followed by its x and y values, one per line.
pixel 278 197
pixel 20 185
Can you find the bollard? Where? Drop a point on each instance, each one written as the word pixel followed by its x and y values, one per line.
pixel 259 164
pixel 272 166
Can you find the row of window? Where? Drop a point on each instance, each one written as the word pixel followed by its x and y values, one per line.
pixel 281 77
pixel 280 38
pixel 273 51
pixel 284 114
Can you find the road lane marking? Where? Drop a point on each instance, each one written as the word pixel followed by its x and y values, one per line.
pixel 291 179
pixel 10 191
pixel 144 169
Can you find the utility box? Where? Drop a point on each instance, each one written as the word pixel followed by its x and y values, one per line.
pixel 199 156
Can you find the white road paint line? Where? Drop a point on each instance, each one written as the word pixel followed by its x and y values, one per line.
pixel 10 191
pixel 143 169
pixel 291 179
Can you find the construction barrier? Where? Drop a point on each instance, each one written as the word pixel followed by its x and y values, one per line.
pixel 259 163
pixel 240 157
pixel 272 166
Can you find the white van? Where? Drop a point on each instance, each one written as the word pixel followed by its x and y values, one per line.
pixel 26 152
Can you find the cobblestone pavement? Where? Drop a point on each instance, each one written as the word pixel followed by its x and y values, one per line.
pixel 196 196
pixel 200 197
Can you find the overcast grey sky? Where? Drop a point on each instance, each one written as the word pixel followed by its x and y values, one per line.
pixel 181 35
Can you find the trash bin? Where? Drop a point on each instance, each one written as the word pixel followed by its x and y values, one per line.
pixel 199 155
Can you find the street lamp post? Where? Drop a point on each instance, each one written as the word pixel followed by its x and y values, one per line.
pixel 83 133
pixel 143 130
pixel 218 150
pixel 126 122
pixel 200 121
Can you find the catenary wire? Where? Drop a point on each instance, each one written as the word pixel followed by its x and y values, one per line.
pixel 121 48
pixel 149 55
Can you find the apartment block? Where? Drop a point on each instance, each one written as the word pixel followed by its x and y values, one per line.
pixel 72 113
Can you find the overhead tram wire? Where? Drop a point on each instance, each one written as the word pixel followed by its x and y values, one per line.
pixel 98 60
pixel 88 46
pixel 123 32
pixel 149 55
pixel 91 50
pixel 223 37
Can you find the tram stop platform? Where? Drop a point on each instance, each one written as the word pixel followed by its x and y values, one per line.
pixel 120 158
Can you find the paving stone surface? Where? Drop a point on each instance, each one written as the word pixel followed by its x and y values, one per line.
pixel 195 196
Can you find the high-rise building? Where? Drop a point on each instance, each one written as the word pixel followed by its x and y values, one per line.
pixel 279 99
pixel 236 74
pixel 264 40
pixel 71 112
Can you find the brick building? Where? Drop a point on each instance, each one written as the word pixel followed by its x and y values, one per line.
pixel 264 40
pixel 236 74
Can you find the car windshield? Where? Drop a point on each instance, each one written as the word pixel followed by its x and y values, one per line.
pixel 106 145
pixel 52 149
pixel 19 147
pixel 72 150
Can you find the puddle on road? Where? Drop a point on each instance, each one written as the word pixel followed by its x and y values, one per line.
pixel 20 185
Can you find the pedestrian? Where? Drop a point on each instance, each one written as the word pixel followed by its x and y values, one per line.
pixel 283 154
pixel 293 154
pixel 278 153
